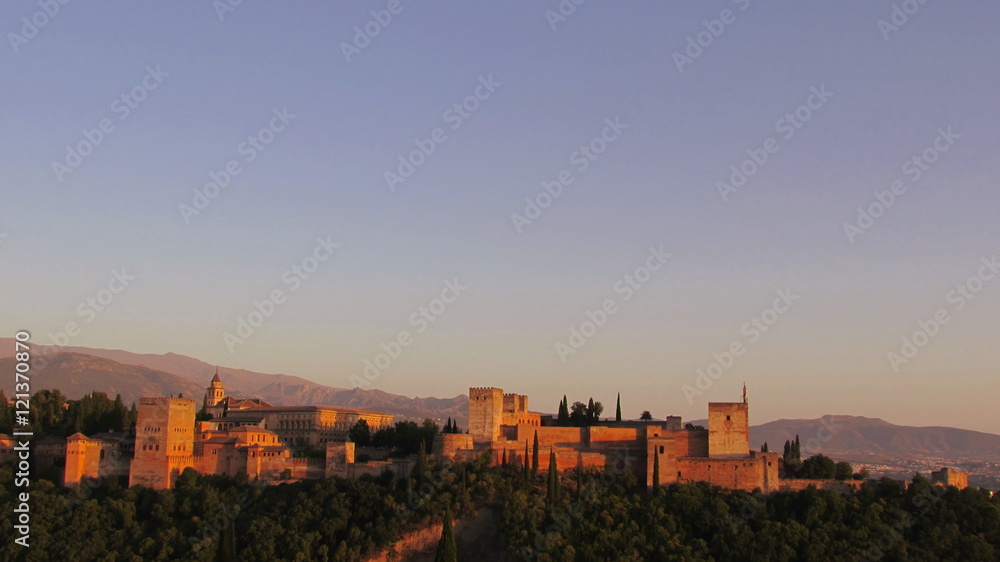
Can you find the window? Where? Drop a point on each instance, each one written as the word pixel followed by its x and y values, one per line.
pixel 661 449
pixel 729 418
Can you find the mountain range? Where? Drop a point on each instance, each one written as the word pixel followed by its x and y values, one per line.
pixel 76 371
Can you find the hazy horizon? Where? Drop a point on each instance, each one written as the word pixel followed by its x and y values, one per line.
pixel 628 139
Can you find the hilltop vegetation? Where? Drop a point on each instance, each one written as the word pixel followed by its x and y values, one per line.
pixel 585 516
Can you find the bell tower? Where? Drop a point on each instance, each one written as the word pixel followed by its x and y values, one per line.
pixel 215 393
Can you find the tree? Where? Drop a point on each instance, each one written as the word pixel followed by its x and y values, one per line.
pixel 819 467
pixel 656 471
pixel 618 408
pixel 524 475
pixel 504 462
pixel 563 418
pixel 596 410
pixel 360 433
pixel 446 550
pixel 578 414
pixel 227 545
pixel 553 477
pixel 843 471
pixel 646 416
pixel 764 449
pixel 534 456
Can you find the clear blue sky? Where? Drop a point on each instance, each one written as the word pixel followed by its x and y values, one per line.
pixel 655 186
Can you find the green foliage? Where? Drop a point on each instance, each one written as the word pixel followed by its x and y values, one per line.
pixel 553 481
pixel 446 550
pixel 646 416
pixel 563 417
pixel 360 433
pixel 406 437
pixel 52 414
pixel 618 408
pixel 699 522
pixel 534 456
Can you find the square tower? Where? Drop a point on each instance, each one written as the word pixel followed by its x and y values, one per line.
pixel 728 429
pixel 485 414
pixel 164 441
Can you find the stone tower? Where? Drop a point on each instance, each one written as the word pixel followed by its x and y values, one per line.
pixel 214 393
pixel 164 441
pixel 728 429
pixel 485 414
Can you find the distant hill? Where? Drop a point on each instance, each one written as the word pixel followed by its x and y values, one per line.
pixel 855 437
pixel 76 374
pixel 135 375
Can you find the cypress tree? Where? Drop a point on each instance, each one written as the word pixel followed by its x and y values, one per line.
pixel 656 471
pixel 525 473
pixel 226 551
pixel 553 478
pixel 534 456
pixel 618 408
pixel 563 418
pixel 504 462
pixel 446 550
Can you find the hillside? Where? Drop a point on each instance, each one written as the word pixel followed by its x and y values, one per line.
pixel 134 375
pixel 76 374
pixel 855 437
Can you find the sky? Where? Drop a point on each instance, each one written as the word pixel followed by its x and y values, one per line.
pixel 662 200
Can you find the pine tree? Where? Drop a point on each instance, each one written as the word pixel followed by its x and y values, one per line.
pixel 534 456
pixel 618 408
pixel 446 550
pixel 553 478
pixel 656 471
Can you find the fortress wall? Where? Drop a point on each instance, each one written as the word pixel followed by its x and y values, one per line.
pixel 689 442
pixel 622 436
pixel 749 473
pixel 841 486
pixel 446 445
pixel 550 436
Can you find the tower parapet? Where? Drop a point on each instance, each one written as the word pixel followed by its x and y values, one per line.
pixel 485 413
